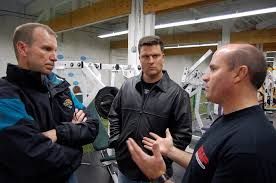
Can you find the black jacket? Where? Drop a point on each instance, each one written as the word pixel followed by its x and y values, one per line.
pixel 132 114
pixel 31 103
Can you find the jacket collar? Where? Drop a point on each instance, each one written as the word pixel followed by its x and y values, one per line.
pixel 25 78
pixel 35 80
pixel 163 84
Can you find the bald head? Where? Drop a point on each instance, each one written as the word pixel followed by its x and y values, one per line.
pixel 248 55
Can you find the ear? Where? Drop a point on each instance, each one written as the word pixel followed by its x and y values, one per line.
pixel 21 48
pixel 163 55
pixel 240 73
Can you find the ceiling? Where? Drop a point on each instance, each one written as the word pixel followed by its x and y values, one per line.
pixel 35 10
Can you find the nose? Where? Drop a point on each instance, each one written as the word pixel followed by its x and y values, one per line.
pixel 151 59
pixel 53 57
pixel 205 77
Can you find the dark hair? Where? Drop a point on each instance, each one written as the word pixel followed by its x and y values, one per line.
pixel 250 56
pixel 149 41
pixel 24 33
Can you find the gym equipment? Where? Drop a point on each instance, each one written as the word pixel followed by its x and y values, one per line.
pixel 193 84
pixel 104 99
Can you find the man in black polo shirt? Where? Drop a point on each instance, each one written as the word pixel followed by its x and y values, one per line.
pixel 240 146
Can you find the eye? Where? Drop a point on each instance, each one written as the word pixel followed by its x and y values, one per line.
pixel 155 56
pixel 212 68
pixel 145 57
pixel 47 48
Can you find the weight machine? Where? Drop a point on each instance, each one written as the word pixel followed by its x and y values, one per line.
pixel 193 84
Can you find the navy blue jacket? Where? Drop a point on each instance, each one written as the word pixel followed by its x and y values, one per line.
pixel 31 103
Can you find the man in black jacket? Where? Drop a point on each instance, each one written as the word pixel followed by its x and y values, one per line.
pixel 148 102
pixel 42 125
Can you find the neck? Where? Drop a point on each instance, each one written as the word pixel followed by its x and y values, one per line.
pixel 152 79
pixel 240 100
pixel 21 64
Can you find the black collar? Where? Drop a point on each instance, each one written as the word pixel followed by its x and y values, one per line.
pixel 26 78
pixel 163 84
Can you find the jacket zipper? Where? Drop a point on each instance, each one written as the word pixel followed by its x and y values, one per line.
pixel 142 106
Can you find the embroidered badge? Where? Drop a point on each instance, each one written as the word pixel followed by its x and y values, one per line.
pixel 201 158
pixel 68 103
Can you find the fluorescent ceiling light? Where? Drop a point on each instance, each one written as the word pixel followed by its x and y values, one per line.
pixel 191 46
pixel 113 34
pixel 216 18
pixel 202 20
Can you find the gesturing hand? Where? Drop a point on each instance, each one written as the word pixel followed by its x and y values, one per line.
pixel 165 144
pixel 152 166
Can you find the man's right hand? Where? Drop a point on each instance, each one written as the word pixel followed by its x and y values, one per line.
pixel 79 116
pixel 152 166
pixel 51 134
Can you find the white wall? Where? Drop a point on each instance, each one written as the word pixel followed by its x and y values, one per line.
pixel 75 44
pixel 6 48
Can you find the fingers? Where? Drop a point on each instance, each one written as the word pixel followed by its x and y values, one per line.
pixel 148 147
pixel 135 151
pixel 134 147
pixel 148 141
pixel 168 134
pixel 155 136
pixel 79 116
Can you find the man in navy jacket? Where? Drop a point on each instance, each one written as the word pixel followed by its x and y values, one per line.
pixel 42 125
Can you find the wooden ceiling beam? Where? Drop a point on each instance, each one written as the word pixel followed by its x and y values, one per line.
pixel 269 47
pixel 193 37
pixel 188 38
pixel 100 11
pixel 254 36
pixel 107 9
pixel 251 37
pixel 161 6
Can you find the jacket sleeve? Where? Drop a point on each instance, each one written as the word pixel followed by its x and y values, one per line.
pixel 114 118
pixel 79 134
pixel 181 128
pixel 24 150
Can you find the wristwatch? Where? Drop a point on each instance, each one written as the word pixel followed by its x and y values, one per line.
pixel 163 178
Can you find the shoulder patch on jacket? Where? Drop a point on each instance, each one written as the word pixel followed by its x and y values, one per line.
pixel 11 111
pixel 68 103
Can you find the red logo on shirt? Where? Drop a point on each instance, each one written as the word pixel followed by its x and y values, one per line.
pixel 201 157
